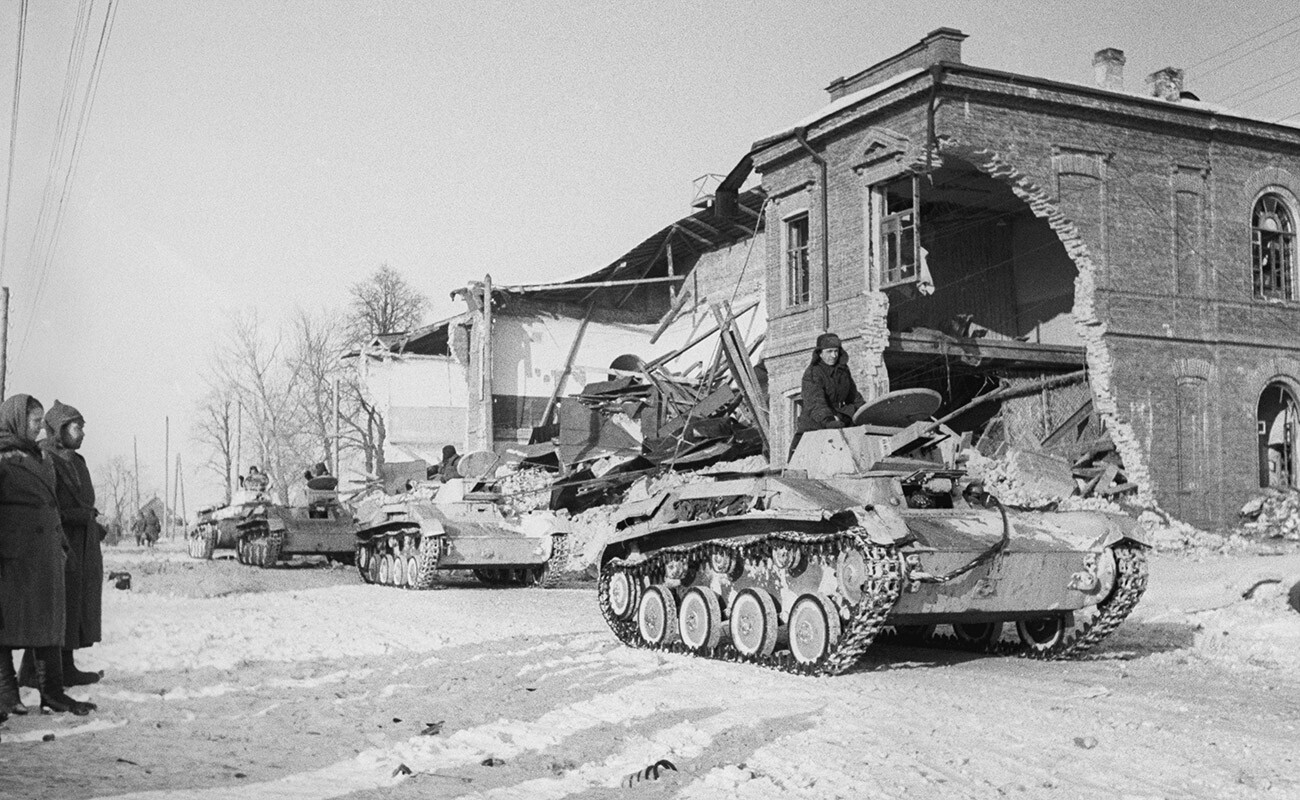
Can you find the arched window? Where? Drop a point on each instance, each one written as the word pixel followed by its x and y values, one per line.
pixel 1273 248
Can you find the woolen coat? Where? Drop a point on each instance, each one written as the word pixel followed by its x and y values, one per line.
pixel 32 544
pixel 85 569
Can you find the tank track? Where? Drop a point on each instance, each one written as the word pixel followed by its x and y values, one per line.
pixel 378 561
pixel 1130 583
pixel 202 542
pixel 880 591
pixel 258 545
pixel 549 575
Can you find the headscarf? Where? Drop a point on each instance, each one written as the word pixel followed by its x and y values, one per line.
pixel 13 424
pixel 61 414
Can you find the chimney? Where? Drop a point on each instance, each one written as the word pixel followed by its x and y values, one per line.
pixel 1167 84
pixel 1108 69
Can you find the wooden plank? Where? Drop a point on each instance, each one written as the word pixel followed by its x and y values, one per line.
pixel 666 357
pixel 1080 416
pixel 568 367
pixel 1026 352
pixel 743 370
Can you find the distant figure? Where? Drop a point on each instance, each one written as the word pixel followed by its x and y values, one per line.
pixel 137 529
pixel 152 527
pixel 447 468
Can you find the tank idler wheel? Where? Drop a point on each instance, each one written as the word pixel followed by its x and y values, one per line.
pixel 700 620
pixel 814 628
pixel 656 616
pixel 980 633
pixel 624 595
pixel 753 623
pixel 1042 633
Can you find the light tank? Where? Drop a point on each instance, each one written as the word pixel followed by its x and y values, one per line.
pixel 217 527
pixel 405 540
pixel 321 526
pixel 868 529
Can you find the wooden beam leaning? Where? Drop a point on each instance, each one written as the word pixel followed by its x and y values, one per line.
pixel 733 346
pixel 666 357
pixel 568 367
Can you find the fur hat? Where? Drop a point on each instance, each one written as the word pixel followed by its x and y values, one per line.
pixel 827 340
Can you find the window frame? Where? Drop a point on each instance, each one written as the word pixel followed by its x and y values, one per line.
pixel 790 253
pixel 891 229
pixel 1280 241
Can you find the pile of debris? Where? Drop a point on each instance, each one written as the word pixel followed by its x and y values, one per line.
pixel 1274 514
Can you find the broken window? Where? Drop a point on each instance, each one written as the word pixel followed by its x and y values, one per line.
pixel 1273 248
pixel 798 275
pixel 895 214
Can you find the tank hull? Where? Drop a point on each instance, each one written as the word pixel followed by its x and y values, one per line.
pixel 834 563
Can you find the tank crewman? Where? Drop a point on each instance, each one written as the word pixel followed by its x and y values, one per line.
pixel 829 395
pixel 32 560
pixel 64 433
pixel 257 481
pixel 447 468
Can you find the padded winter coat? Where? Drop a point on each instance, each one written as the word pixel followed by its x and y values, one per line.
pixel 32 545
pixel 85 568
pixel 829 395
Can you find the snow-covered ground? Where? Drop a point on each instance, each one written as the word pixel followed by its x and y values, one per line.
pixel 228 681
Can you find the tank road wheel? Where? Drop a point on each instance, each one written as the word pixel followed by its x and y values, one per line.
pixel 814 628
pixel 700 620
pixel 372 562
pixel 624 595
pixel 386 569
pixel 398 569
pixel 1042 633
pixel 362 561
pixel 978 633
pixel 656 616
pixel 412 568
pixel 753 623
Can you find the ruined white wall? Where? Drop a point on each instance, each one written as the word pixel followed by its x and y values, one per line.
pixel 423 400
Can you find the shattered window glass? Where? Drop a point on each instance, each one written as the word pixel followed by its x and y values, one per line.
pixel 1273 249
pixel 798 278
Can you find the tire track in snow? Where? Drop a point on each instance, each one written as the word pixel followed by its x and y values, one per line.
pixel 680 685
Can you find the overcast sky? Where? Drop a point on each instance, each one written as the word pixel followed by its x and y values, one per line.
pixel 253 153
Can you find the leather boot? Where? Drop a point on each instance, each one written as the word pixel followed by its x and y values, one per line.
pixel 27 670
pixel 49 675
pixel 10 702
pixel 75 677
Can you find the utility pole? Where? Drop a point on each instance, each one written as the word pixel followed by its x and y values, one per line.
pixel 239 437
pixel 337 440
pixel 167 457
pixel 4 338
pixel 178 491
pixel 135 448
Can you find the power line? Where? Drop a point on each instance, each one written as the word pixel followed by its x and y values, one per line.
pixel 13 134
pixel 83 117
pixel 1255 49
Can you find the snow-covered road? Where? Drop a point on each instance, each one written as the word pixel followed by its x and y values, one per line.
pixel 229 682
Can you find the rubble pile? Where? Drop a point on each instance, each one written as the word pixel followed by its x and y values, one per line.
pixel 527 489
pixel 1273 514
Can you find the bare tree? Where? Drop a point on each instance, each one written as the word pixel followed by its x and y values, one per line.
pixel 116 483
pixel 315 360
pixel 253 364
pixel 383 303
pixel 215 431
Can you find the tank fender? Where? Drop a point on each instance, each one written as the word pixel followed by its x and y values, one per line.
pixel 1121 528
pixel 883 524
pixel 429 520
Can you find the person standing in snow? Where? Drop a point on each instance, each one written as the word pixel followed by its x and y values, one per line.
pixel 64 433
pixel 32 558
pixel 829 395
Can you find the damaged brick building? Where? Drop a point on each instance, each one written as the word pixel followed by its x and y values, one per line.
pixel 960 226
